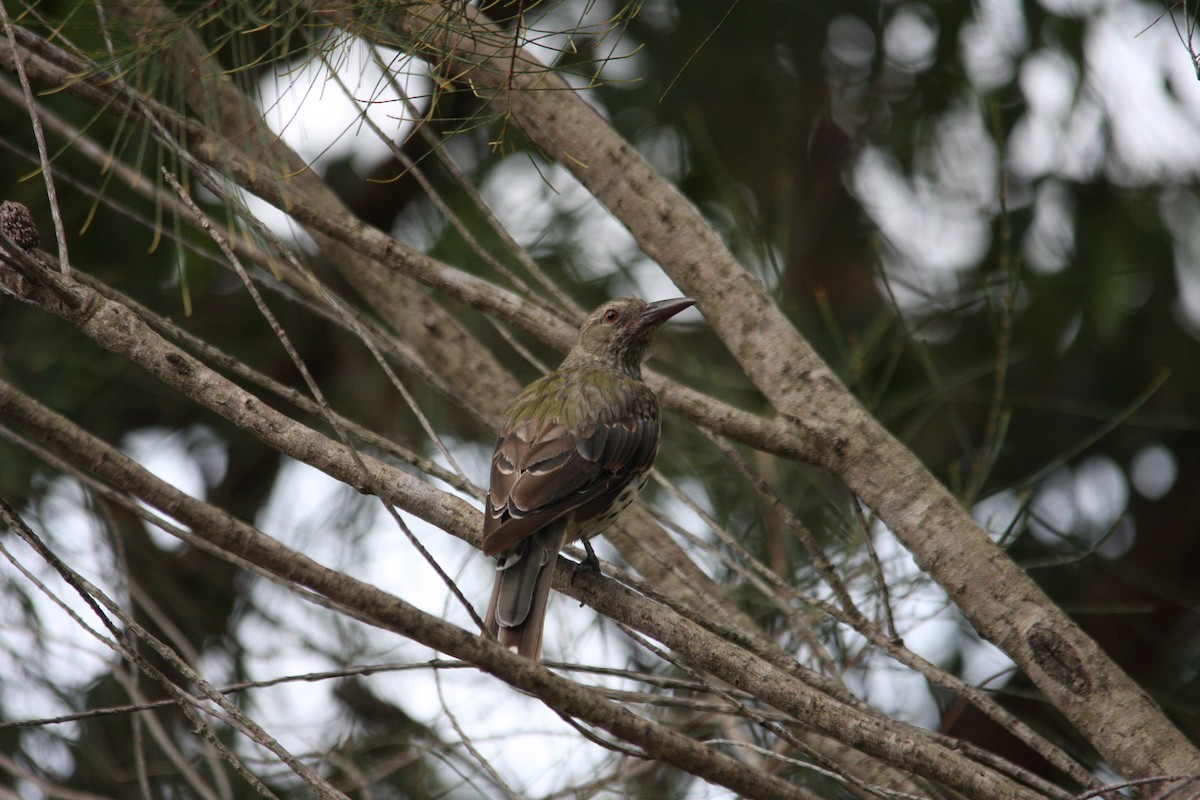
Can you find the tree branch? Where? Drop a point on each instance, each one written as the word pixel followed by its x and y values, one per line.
pixel 999 599
pixel 382 609
pixel 893 742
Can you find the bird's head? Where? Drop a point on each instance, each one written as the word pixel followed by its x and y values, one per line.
pixel 617 333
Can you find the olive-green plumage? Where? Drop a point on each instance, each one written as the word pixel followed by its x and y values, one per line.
pixel 574 451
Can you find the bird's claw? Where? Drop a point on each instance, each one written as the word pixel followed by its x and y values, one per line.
pixel 589 564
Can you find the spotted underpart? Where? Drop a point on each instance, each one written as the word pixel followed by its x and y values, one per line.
pixel 586 529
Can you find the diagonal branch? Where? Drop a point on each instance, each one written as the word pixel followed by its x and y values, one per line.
pixel 382 609
pixel 649 549
pixel 999 599
pixel 231 115
pixel 894 742
pixel 117 328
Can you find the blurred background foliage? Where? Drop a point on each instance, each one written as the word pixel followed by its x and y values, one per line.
pixel 984 215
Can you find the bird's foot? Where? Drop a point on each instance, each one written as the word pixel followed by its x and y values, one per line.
pixel 590 563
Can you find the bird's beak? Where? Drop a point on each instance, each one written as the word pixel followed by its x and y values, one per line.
pixel 660 311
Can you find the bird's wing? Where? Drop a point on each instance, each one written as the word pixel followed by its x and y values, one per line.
pixel 540 473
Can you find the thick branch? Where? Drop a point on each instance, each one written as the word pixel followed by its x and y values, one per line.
pixel 120 330
pixel 999 599
pixel 896 743
pixel 467 365
pixel 650 550
pixel 385 610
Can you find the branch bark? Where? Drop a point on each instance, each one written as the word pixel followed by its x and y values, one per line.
pixel 385 610
pixel 999 599
pixel 893 742
pixel 650 550
pixel 468 366
pixel 819 420
pixel 31 278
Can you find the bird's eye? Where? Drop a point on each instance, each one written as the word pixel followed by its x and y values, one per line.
pixel 611 316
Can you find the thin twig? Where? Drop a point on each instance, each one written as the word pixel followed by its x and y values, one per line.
pixel 60 233
pixel 94 599
pixel 877 568
pixel 319 396
pixel 466 741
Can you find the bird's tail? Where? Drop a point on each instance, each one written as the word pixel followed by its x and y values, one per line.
pixel 517 611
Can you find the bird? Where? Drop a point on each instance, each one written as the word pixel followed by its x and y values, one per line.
pixel 574 450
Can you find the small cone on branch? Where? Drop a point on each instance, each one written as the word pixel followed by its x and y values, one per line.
pixel 17 223
pixel 575 449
